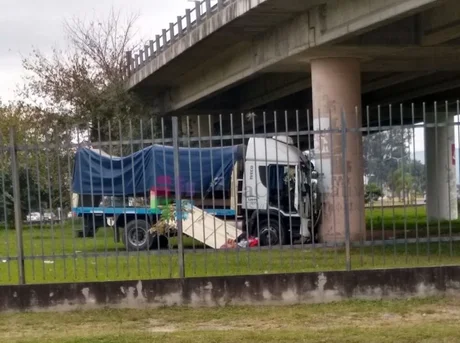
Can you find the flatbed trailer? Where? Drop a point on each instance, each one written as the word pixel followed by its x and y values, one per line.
pixel 129 224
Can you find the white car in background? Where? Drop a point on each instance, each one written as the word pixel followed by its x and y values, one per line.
pixel 34 217
pixel 49 216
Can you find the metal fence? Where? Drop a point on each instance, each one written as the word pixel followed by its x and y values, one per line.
pixel 264 192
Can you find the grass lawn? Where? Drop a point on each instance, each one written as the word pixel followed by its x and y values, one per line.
pixel 47 242
pixel 415 320
pixel 412 219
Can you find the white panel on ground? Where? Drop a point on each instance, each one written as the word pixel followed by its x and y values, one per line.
pixel 208 229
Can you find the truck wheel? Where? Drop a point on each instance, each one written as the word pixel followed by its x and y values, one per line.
pixel 136 235
pixel 159 242
pixel 270 233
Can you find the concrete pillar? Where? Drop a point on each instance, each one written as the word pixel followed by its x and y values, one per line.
pixel 441 189
pixel 336 86
pixel 198 126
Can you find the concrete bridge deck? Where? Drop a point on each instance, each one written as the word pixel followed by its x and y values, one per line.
pixel 243 54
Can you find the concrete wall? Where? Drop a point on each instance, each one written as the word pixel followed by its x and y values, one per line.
pixel 237 290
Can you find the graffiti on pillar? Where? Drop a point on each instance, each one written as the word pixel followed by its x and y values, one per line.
pixel 453 154
pixel 322 141
pixel 322 147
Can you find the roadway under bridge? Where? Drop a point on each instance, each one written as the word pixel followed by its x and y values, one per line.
pixel 311 61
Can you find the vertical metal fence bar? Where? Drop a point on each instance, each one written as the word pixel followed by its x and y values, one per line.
pixel 334 221
pixel 213 194
pixel 202 196
pixel 145 197
pixel 156 217
pixel 38 185
pixel 177 191
pixel 277 163
pixel 50 208
pixel 345 193
pixel 256 179
pixel 311 155
pixel 457 165
pixel 438 205
pixel 290 205
pixel 17 208
pixel 71 200
pixel 125 217
pixel 357 191
pixel 80 200
pixel 167 186
pixel 225 195
pixel 61 211
pixel 404 177
pixel 245 190
pixel 319 132
pixel 116 229
pixel 428 235
pixel 104 216
pixel 392 189
pixel 92 230
pixel 269 255
pixel 417 248
pixel 29 205
pixel 382 210
pixel 238 206
pixel 297 136
pixel 191 189
pixel 134 197
pixel 371 209
pixel 5 210
pixel 449 168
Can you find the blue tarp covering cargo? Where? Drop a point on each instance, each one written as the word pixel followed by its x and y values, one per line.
pixel 200 169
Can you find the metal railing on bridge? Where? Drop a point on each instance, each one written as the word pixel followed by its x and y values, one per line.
pixel 193 17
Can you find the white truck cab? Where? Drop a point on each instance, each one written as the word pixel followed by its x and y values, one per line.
pixel 277 192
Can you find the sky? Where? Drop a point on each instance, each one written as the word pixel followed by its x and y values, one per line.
pixel 29 24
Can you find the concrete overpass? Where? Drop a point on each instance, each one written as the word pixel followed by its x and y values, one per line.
pixel 323 55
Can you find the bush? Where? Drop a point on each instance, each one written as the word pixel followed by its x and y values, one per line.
pixel 372 193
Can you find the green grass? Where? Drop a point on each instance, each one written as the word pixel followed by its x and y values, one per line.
pixel 412 219
pixel 60 240
pixel 414 320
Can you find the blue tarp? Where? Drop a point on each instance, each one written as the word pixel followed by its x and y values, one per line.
pixel 199 169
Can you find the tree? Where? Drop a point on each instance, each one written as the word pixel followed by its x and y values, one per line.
pixel 401 183
pixel 384 152
pixel 372 193
pixel 83 86
pixel 42 177
pixel 418 171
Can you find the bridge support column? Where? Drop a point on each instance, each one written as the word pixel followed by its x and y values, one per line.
pixel 336 86
pixel 441 183
pixel 198 126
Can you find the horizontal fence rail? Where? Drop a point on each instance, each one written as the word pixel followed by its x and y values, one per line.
pixel 233 194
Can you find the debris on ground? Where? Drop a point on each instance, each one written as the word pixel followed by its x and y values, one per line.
pixel 242 241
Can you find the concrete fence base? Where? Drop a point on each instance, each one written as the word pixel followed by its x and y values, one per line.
pixel 271 289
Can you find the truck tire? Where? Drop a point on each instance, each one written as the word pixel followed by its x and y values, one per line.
pixel 159 242
pixel 270 233
pixel 136 235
